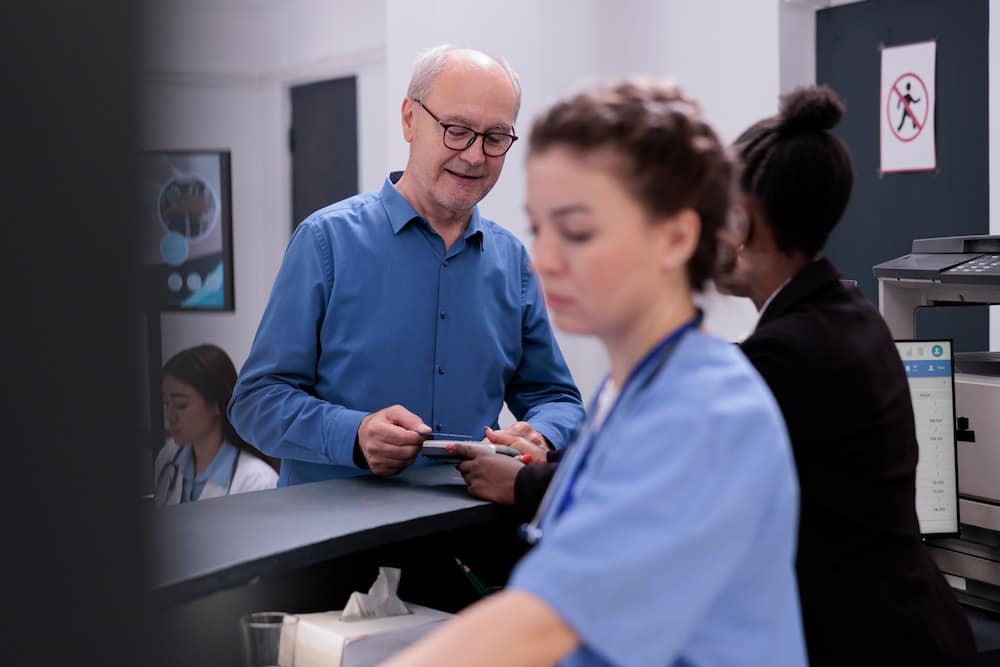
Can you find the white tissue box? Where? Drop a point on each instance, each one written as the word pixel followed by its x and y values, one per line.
pixel 324 640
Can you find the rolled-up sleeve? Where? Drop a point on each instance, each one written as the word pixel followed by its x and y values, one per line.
pixel 274 405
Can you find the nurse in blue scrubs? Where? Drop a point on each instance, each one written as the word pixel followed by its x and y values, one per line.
pixel 667 536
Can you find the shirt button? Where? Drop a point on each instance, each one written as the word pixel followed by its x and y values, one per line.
pixel 440 370
pixel 444 263
pixel 439 427
pixel 444 315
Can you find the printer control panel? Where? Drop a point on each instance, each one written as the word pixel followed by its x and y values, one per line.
pixel 984 265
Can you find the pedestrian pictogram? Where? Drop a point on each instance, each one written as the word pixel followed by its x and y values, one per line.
pixel 907 103
pixel 906 106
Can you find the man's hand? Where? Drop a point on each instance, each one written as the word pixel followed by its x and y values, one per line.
pixel 489 476
pixel 390 439
pixel 523 437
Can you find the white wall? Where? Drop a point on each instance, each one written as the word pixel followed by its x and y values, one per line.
pixel 319 40
pixel 726 55
pixel 220 70
pixel 217 76
pixel 723 53
pixel 239 118
pixel 797 45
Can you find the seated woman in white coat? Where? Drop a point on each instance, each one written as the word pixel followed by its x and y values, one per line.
pixel 204 457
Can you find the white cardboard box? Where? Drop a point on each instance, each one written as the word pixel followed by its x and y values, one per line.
pixel 324 640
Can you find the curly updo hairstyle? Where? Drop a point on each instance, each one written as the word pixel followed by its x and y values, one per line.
pixel 797 170
pixel 667 156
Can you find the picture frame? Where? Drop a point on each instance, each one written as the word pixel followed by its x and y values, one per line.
pixel 186 235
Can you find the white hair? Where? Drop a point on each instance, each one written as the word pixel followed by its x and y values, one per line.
pixel 429 63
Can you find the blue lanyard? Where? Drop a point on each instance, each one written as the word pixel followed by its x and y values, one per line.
pixel 649 367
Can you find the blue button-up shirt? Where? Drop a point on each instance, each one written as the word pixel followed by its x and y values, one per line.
pixel 220 471
pixel 368 310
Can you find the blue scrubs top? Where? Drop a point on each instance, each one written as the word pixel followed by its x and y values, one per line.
pixel 678 544
pixel 220 471
pixel 368 310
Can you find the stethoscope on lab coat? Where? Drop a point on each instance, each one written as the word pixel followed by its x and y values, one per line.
pixel 650 366
pixel 170 476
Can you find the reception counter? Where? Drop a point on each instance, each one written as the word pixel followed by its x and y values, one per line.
pixel 306 548
pixel 204 547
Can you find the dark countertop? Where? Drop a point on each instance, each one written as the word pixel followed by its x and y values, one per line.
pixel 211 545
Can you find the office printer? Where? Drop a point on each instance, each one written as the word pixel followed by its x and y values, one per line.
pixel 950 271
pixel 949 259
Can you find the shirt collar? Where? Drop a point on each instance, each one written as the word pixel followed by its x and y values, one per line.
pixel 401 212
pixel 809 278
pixel 773 294
pixel 220 470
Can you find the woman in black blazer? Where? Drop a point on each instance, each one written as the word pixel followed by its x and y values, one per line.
pixel 870 593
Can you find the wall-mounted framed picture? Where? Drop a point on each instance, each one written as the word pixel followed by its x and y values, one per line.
pixel 186 230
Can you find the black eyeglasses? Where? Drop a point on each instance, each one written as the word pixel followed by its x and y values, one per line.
pixel 459 137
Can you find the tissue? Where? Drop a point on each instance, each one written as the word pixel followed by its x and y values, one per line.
pixel 380 601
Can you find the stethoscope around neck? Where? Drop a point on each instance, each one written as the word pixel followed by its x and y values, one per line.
pixel 170 476
pixel 644 372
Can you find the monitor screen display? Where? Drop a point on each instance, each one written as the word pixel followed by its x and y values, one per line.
pixel 186 230
pixel 930 374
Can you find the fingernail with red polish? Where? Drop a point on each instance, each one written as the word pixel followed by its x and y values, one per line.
pixel 525 458
pixel 449 447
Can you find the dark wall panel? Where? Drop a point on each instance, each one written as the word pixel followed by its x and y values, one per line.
pixel 324 143
pixel 887 211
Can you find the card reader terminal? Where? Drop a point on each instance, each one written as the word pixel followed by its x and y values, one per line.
pixel 439 449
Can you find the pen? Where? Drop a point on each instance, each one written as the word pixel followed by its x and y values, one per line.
pixel 471 576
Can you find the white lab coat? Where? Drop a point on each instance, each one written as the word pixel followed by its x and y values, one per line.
pixel 251 474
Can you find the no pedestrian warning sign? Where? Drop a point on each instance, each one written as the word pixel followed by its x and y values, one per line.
pixel 907 108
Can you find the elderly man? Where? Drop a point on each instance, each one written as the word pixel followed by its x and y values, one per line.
pixel 402 311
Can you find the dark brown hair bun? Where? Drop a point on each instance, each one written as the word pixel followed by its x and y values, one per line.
pixel 814 109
